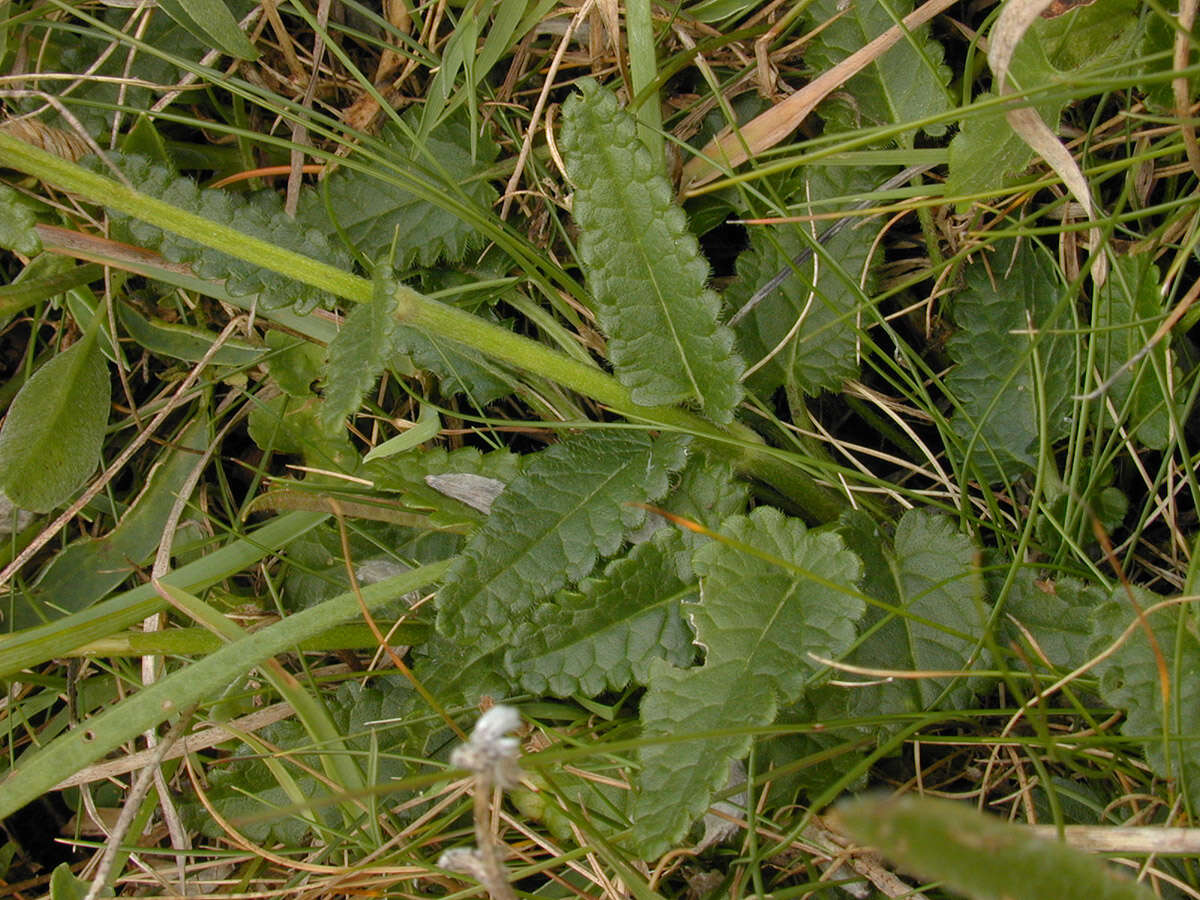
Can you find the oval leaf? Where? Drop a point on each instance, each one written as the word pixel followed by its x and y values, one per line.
pixel 51 439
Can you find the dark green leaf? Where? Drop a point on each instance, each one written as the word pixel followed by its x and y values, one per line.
pixel 211 22
pixel 1006 315
pixel 604 637
pixel 570 506
pixel 905 84
pixel 360 351
pixel 16 223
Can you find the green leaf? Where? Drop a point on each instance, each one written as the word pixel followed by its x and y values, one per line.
pixel 1130 304
pixel 415 474
pixel 929 575
pixel 65 886
pixel 1057 614
pixel 417 207
pixel 286 425
pixel 213 23
pixel 51 439
pixel 184 341
pixel 771 595
pixel 1129 680
pixel 359 352
pixel 261 215
pixel 678 778
pixel 604 637
pixel 40 768
pixel 822 352
pixel 979 855
pixel 426 428
pixel 643 266
pixel 294 363
pixel 85 571
pixel 905 84
pixel 459 369
pixel 772 613
pixel 571 505
pixel 987 154
pixel 995 381
pixel 17 219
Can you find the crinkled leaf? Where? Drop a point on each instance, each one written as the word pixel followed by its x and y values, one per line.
pixel 414 205
pixel 52 435
pixel 1057 614
pixel 708 493
pixel 994 381
pixel 774 595
pixel 643 266
pixel 260 214
pixel 1130 303
pixel 773 613
pixel 678 778
pixel 459 369
pixel 928 573
pixel 359 352
pixel 823 351
pixel 570 506
pixel 905 84
pixel 604 636
pixel 1129 680
pixel 979 855
pixel 284 424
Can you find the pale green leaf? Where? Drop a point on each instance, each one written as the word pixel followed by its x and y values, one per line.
pixel 772 613
pixel 604 636
pixel 570 506
pixel 995 381
pixel 359 352
pixel 679 777
pixel 294 363
pixel 1129 680
pixel 51 439
pixel 928 575
pixel 643 266
pixel 905 84
pixel 818 324
pixel 426 428
pixel 185 342
pixel 979 855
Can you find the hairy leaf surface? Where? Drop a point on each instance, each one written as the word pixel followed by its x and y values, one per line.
pixel 643 266
pixel 570 506
pixel 604 636
pixel 260 215
pixel 995 381
pixel 928 573
pixel 678 778
pixel 1056 614
pixel 905 84
pixel 979 855
pixel 768 600
pixel 815 310
pixel 418 201
pixel 1129 680
pixel 359 352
